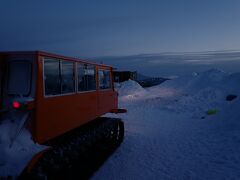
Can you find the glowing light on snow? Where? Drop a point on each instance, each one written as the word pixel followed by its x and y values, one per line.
pixel 132 91
pixel 164 92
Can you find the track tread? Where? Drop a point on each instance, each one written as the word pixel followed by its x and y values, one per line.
pixel 80 152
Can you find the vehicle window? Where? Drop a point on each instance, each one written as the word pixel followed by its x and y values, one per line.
pixel 90 72
pixel 86 77
pixel 19 77
pixel 104 79
pixel 82 83
pixel 67 77
pixel 52 76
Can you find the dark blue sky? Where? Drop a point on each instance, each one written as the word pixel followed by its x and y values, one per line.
pixel 92 28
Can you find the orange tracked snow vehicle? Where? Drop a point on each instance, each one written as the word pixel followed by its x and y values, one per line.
pixel 62 100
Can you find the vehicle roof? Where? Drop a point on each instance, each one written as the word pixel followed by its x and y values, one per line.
pixel 51 55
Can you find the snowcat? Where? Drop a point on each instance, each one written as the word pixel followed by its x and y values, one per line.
pixel 61 102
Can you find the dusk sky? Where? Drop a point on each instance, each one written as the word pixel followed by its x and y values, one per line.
pixel 95 28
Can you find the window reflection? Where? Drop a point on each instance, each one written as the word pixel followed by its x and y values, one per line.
pixel 104 79
pixel 58 76
pixel 86 77
pixel 67 77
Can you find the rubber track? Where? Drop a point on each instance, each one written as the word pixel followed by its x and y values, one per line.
pixel 79 153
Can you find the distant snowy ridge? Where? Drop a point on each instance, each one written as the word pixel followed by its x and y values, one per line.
pixel 198 80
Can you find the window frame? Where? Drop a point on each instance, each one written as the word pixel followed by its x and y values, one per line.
pixel 97 68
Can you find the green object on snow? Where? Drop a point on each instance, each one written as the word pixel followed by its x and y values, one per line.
pixel 211 111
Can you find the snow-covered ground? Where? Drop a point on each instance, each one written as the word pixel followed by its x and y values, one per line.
pixel 170 135
pixel 16 150
pixel 181 129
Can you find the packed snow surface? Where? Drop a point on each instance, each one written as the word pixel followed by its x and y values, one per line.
pixel 170 135
pixel 15 150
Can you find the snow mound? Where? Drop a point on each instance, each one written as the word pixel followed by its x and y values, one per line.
pixel 208 78
pixel 131 87
pixel 197 81
pixel 213 75
pixel 196 93
pixel 198 103
pixel 203 91
pixel 16 154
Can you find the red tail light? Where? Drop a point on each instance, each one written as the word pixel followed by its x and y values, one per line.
pixel 22 105
pixel 16 105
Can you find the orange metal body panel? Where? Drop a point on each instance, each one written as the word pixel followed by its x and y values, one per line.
pixel 53 116
pixel 59 114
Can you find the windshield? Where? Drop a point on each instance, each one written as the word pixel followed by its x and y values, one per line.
pixel 19 77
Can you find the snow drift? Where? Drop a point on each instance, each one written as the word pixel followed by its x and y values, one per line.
pixel 15 155
pixel 131 90
pixel 170 135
